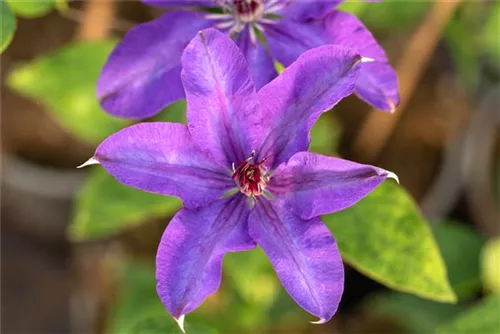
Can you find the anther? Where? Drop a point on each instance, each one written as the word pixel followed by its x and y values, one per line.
pixel 251 177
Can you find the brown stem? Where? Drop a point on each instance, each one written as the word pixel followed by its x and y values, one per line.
pixel 97 20
pixel 379 126
pixel 478 162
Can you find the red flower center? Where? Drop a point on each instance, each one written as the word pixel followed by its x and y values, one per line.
pixel 251 177
pixel 245 7
pixel 248 10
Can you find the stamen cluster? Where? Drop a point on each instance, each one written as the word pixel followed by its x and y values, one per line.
pixel 251 177
pixel 240 13
pixel 248 10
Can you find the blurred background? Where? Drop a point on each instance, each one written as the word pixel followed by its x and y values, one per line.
pixel 78 249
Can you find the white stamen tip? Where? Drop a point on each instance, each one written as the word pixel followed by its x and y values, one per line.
pixel 391 175
pixel 320 321
pixel 91 161
pixel 366 60
pixel 180 322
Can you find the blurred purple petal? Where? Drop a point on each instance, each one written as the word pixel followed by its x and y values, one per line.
pixel 220 94
pixel 289 39
pixel 304 10
pixel 292 102
pixel 377 84
pixel 259 60
pixel 161 158
pixel 304 255
pixel 142 74
pixel 188 262
pixel 180 3
pixel 311 184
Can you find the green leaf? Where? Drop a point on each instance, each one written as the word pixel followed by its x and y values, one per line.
pixel 483 318
pixel 64 82
pixel 385 238
pixel 324 135
pixel 414 314
pixel 461 247
pixel 136 298
pixel 258 299
pixel 154 324
pixel 354 7
pixel 254 281
pixel 388 15
pixel 490 258
pixel 464 51
pixel 8 26
pixel 250 298
pixel 175 113
pixel 138 310
pixel 62 6
pixel 31 8
pixel 105 207
pixel 165 324
pixel 489 35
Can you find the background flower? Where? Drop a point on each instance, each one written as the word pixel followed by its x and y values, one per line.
pixel 142 74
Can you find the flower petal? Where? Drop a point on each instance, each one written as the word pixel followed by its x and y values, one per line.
pixel 291 103
pixel 179 3
pixel 259 60
pixel 289 39
pixel 220 94
pixel 311 184
pixel 304 255
pixel 301 10
pixel 377 84
pixel 188 262
pixel 142 74
pixel 161 158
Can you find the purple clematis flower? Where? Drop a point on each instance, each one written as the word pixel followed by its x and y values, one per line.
pixel 254 143
pixel 142 74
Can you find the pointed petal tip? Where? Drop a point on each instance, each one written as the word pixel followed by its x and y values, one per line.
pixel 360 59
pixel 180 322
pixel 320 321
pixel 91 161
pixel 391 175
pixel 366 60
pixel 392 106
